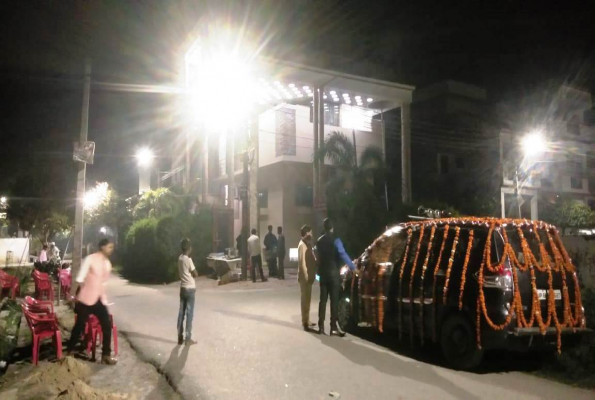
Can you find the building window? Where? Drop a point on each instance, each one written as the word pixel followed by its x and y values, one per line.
pixel 590 160
pixel 285 139
pixel 332 113
pixel 576 183
pixel 574 166
pixel 591 185
pixel 573 126
pixel 263 199
pixel 460 162
pixel 443 163
pixel 547 183
pixel 304 196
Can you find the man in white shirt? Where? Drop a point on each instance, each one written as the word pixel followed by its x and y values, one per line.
pixel 255 256
pixel 187 273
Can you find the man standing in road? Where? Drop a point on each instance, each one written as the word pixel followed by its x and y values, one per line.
pixel 187 273
pixel 255 257
pixel 270 248
pixel 331 256
pixel 92 300
pixel 281 252
pixel 306 274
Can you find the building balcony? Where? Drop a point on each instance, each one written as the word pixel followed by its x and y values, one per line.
pixel 286 131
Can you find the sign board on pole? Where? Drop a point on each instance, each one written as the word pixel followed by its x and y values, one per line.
pixel 84 152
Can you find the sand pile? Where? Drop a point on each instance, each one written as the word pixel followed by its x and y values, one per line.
pixel 64 379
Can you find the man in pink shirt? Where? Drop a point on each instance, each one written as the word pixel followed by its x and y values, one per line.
pixel 43 256
pixel 91 298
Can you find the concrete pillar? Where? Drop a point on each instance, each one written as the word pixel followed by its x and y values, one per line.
pixel 534 211
pixel 253 173
pixel 315 161
pixel 503 202
pixel 321 137
pixel 406 153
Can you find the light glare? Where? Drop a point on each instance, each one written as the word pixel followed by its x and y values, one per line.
pixel 533 144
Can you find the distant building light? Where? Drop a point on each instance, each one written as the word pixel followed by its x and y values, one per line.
pixel 370 100
pixel 332 92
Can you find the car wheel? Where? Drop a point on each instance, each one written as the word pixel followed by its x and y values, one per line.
pixel 459 344
pixel 346 319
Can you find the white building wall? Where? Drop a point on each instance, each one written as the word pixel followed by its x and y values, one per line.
pixel 305 135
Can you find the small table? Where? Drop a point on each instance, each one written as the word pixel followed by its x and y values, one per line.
pixel 226 268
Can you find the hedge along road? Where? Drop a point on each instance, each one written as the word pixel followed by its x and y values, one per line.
pixel 251 346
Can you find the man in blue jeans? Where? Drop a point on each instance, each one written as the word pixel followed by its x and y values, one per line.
pixel 187 273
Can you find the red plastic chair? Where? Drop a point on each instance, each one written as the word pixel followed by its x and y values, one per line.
pixel 43 285
pixel 10 283
pixel 93 333
pixel 43 325
pixel 40 304
pixel 65 283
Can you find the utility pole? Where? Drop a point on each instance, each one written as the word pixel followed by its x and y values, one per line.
pixel 245 233
pixel 77 252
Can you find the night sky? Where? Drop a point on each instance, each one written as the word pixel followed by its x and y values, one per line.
pixel 508 47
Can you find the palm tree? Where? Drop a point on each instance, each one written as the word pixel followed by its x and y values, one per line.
pixel 351 172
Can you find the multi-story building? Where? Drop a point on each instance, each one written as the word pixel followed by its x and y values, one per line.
pixel 566 167
pixel 269 162
pixel 454 147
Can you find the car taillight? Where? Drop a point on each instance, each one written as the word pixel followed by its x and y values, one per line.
pixel 501 279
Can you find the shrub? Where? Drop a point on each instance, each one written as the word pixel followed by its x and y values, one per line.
pixel 152 246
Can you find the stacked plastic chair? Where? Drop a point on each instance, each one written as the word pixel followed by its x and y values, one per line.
pixel 10 283
pixel 43 286
pixel 43 324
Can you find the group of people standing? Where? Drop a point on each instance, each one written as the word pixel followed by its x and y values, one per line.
pixel 325 258
pixel 274 252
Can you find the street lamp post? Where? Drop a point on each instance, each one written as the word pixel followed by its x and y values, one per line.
pixel 144 159
pixel 532 145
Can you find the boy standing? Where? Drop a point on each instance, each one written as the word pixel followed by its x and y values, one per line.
pixel 187 273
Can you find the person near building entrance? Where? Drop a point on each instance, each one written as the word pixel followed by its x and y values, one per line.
pixel 281 252
pixel 255 256
pixel 306 274
pixel 331 256
pixel 187 273
pixel 270 248
pixel 91 298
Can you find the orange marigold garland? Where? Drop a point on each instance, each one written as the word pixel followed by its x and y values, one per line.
pixel 558 262
pixel 421 286
pixel 436 269
pixel 465 264
pixel 450 262
pixel 400 305
pixel 413 267
pixel 381 296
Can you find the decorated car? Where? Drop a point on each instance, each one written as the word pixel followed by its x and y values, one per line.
pixel 469 284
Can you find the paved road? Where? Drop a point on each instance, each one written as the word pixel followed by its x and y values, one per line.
pixel 251 346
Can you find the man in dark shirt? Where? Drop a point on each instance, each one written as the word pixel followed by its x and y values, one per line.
pixel 281 252
pixel 270 246
pixel 331 257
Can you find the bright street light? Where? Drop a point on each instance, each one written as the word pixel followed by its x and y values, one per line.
pixel 144 157
pixel 3 200
pixel 533 144
pixel 94 197
pixel 218 84
pixel 103 230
